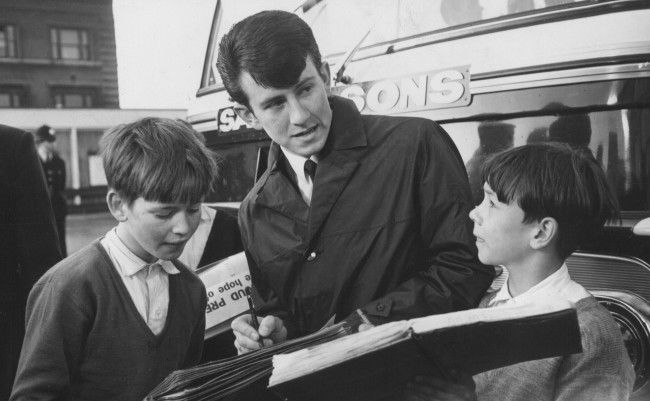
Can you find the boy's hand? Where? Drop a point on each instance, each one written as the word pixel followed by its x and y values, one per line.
pixel 460 388
pixel 272 331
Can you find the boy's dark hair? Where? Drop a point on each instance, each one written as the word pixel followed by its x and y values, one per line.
pixel 555 180
pixel 272 46
pixel 160 159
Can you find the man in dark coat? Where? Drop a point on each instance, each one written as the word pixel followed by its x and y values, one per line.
pixel 380 229
pixel 28 241
pixel 54 169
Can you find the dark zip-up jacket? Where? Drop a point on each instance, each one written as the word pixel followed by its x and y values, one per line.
pixel 387 231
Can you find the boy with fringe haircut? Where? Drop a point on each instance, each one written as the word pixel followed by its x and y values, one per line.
pixel 540 203
pixel 115 318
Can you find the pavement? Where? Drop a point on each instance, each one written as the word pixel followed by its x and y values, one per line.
pixel 82 229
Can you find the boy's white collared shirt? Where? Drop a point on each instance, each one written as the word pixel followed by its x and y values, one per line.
pixel 147 283
pixel 556 286
pixel 305 184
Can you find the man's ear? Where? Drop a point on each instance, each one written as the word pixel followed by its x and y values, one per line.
pixel 545 232
pixel 116 205
pixel 326 76
pixel 245 114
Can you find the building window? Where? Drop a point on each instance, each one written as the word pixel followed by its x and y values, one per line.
pixel 7 41
pixel 74 98
pixel 11 97
pixel 70 44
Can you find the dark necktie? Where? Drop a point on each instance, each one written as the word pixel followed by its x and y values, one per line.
pixel 310 168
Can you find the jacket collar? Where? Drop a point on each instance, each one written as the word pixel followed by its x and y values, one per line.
pixel 346 130
pixel 337 163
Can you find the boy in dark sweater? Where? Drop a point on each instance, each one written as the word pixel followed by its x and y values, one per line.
pixel 115 318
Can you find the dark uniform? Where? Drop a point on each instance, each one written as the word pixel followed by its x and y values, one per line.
pixel 54 169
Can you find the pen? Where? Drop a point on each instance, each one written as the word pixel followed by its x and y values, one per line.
pixel 255 323
pixel 362 314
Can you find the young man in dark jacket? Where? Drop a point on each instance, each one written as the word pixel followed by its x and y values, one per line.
pixel 380 228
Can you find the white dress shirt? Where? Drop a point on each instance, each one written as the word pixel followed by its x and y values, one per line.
pixel 147 283
pixel 305 184
pixel 556 286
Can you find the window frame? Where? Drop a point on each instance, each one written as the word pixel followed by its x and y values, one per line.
pixel 16 96
pixel 9 39
pixel 89 97
pixel 82 46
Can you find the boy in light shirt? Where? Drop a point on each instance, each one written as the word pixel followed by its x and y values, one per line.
pixel 541 202
pixel 114 319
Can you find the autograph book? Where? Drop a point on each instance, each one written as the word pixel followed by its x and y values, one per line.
pixel 218 379
pixel 377 363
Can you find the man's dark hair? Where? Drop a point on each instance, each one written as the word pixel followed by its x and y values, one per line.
pixel 555 180
pixel 272 46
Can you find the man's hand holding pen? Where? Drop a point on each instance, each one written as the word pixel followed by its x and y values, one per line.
pixel 250 335
pixel 254 320
pixel 271 331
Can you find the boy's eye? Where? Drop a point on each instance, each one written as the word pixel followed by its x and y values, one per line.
pixel 164 215
pixel 487 200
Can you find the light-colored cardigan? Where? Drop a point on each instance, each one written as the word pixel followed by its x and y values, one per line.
pixel 602 372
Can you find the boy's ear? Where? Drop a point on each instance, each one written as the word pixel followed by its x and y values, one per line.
pixel 247 115
pixel 116 205
pixel 546 230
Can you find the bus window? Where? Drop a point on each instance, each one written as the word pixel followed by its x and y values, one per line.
pixel 616 138
pixel 338 23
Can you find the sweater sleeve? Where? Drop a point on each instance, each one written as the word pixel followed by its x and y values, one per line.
pixel 55 332
pixel 602 371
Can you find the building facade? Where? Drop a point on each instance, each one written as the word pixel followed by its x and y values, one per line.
pixel 58 66
pixel 57 54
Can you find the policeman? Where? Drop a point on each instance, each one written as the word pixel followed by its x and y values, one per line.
pixel 54 168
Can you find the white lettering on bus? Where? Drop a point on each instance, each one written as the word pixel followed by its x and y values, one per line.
pixel 432 90
pixel 445 87
pixel 416 92
pixel 382 96
pixel 229 120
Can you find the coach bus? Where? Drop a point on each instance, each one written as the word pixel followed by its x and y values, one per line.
pixel 495 74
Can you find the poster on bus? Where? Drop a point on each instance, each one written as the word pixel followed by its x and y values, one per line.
pixel 227 283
